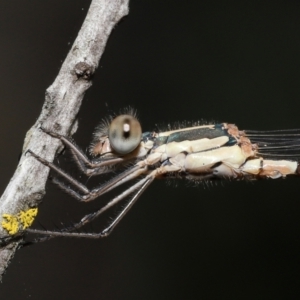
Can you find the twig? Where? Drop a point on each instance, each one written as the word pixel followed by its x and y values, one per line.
pixel 62 102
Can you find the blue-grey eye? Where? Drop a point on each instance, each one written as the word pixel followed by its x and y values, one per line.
pixel 124 134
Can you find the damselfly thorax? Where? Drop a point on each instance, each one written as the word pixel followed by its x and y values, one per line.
pixel 207 152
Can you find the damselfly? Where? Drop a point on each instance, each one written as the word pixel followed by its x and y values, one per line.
pixel 197 152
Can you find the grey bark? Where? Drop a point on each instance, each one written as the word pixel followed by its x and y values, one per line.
pixel 62 103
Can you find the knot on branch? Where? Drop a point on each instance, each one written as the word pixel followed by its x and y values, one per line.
pixel 82 70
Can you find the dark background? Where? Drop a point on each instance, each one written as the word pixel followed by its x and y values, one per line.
pixel 173 61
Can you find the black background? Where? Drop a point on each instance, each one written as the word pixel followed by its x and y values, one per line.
pixel 234 61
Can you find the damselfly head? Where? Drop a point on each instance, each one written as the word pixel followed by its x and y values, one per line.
pixel 119 135
pixel 125 133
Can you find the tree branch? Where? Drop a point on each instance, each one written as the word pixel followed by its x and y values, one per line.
pixel 62 102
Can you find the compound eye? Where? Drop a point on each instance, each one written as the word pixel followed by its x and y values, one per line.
pixel 124 134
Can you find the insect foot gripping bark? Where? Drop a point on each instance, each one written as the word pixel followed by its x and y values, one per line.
pixel 196 152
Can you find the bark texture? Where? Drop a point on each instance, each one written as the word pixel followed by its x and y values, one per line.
pixel 62 103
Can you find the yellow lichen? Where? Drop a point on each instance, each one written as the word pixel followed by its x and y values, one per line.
pixel 27 217
pixel 23 219
pixel 11 224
